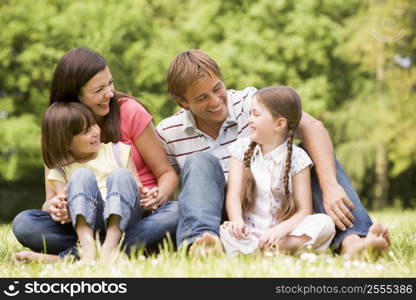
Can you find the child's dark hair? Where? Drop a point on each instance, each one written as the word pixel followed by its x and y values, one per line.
pixel 280 101
pixel 61 122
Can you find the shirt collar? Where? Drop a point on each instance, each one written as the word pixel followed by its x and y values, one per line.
pixel 275 154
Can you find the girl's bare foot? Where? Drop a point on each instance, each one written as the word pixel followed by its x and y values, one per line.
pixel 108 254
pixel 35 256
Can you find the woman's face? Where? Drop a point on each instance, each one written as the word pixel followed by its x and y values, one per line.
pixel 97 92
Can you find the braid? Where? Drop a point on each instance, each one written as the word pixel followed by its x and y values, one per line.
pixel 288 206
pixel 288 160
pixel 249 185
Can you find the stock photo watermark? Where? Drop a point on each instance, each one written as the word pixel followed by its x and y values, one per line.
pixel 388 30
pixel 64 288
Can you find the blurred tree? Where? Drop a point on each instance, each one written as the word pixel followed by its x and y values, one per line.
pixel 374 130
pixel 343 56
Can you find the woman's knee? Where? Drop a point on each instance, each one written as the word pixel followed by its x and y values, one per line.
pixel 22 224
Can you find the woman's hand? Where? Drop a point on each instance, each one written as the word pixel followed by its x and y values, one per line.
pixel 238 229
pixel 272 237
pixel 58 209
pixel 152 199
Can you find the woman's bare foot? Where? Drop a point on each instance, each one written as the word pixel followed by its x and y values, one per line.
pixel 206 244
pixel 376 242
pixel 35 256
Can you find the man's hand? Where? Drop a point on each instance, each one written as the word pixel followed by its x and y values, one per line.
pixel 339 207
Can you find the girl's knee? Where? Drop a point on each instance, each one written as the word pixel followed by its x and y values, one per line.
pixel 120 173
pixel 120 176
pixel 82 175
pixel 326 223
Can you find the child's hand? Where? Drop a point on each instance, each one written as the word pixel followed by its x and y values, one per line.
pixel 272 237
pixel 237 229
pixel 58 208
pixel 152 199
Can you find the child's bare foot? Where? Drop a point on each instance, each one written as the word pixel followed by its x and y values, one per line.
pixel 108 254
pixel 35 256
pixel 376 242
pixel 87 254
pixel 206 244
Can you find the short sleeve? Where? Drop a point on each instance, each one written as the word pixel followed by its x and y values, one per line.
pixel 134 118
pixel 300 160
pixel 124 154
pixel 55 175
pixel 239 147
pixel 167 148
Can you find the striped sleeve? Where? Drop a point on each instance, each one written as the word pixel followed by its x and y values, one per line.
pixel 167 147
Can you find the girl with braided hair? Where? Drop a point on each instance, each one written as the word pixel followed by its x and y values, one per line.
pixel 269 198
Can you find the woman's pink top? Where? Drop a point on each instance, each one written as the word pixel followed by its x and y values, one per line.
pixel 133 120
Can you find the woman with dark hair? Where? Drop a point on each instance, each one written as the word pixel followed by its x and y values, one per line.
pixel 82 75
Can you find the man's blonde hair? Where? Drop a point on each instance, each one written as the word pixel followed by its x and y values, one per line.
pixel 186 68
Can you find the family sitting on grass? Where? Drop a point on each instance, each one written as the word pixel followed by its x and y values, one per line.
pixel 110 176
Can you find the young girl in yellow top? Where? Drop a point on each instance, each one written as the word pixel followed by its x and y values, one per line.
pixel 269 198
pixel 100 180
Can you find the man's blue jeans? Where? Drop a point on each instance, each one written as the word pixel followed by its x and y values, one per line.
pixel 203 191
pixel 36 229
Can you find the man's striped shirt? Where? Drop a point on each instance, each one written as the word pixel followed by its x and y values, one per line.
pixel 180 136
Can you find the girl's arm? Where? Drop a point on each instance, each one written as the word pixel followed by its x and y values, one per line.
pixel 50 193
pixel 235 225
pixel 319 146
pixel 233 198
pixel 132 168
pixel 151 150
pixel 56 205
pixel 302 194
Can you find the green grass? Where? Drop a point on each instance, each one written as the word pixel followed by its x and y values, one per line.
pixel 400 261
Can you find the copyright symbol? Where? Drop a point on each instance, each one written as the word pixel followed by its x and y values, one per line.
pixel 388 30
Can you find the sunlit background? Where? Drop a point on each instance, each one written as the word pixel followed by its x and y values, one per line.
pixel 353 63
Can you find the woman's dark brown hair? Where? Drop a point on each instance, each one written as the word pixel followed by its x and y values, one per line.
pixel 73 71
pixel 280 101
pixel 61 122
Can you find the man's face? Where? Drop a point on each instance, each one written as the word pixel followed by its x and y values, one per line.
pixel 207 100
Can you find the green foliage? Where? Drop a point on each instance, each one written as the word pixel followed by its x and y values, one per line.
pixel 325 49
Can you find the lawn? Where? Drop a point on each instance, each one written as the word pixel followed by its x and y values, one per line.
pixel 400 261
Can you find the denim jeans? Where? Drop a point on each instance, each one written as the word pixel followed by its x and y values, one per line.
pixel 362 220
pixel 36 229
pixel 84 199
pixel 202 198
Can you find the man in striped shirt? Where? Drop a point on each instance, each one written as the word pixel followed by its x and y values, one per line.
pixel 196 140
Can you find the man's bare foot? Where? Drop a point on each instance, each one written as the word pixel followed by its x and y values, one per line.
pixel 206 244
pixel 376 242
pixel 35 256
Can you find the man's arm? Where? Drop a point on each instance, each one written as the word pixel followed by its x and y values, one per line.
pixel 318 144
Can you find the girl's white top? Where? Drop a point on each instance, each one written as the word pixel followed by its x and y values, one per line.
pixel 268 172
